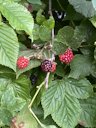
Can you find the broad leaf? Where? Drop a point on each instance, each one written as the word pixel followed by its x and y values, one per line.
pixel 94 3
pixel 26 117
pixel 88 116
pixel 67 115
pixel 6 72
pixel 59 47
pixel 59 103
pixel 80 66
pixel 64 36
pixel 18 16
pixel 22 87
pixel 84 7
pixel 78 38
pixel 81 89
pixel 35 1
pixel 5 116
pixel 9 47
pixel 44 33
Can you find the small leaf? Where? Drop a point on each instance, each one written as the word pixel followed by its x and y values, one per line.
pixel 9 47
pixel 18 16
pixel 80 66
pixel 39 17
pixel 88 115
pixel 50 23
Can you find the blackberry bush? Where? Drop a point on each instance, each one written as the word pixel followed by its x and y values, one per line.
pixel 39 37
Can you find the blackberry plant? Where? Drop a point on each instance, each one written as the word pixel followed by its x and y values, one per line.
pixel 50 44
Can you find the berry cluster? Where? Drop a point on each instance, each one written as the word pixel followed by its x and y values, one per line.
pixel 47 65
pixel 67 56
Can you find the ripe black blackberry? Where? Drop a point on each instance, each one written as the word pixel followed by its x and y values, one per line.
pixel 33 79
pixel 46 65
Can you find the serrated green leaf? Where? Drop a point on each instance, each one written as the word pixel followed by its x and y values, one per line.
pixel 9 47
pixel 80 66
pixel 52 99
pixel 35 2
pixel 44 33
pixel 5 116
pixel 18 16
pixel 6 72
pixel 84 7
pixel 27 118
pixel 80 89
pixel 8 99
pixel 59 103
pixel 67 115
pixel 78 38
pixel 88 115
pixel 22 87
pixel 63 34
pixel 59 47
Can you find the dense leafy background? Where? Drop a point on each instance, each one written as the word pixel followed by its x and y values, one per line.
pixel 25 30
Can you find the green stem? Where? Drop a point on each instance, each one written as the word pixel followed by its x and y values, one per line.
pixel 39 87
pixel 31 103
pixel 36 118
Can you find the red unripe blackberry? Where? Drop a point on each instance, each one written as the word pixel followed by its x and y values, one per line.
pixel 53 68
pixel 46 65
pixel 67 56
pixel 22 62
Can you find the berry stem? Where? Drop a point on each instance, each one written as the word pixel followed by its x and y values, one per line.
pixel 34 97
pixel 46 80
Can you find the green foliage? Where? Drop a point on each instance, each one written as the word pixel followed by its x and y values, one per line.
pixel 35 1
pixel 9 47
pixel 84 7
pixel 80 66
pixel 60 100
pixel 88 116
pixel 34 29
pixel 18 16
